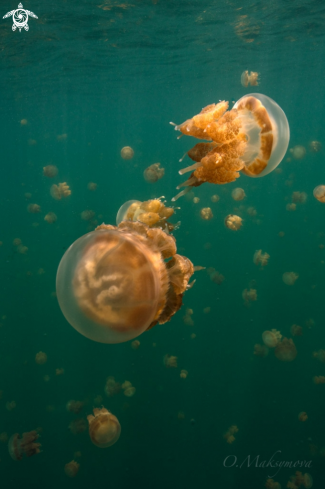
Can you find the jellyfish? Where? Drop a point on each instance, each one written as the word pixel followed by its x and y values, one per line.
pixel 271 484
pixel 113 283
pixel 249 78
pixel 229 435
pixel 289 278
pixel 302 416
pixel 71 469
pixel 298 152
pixel 206 214
pixel 249 295
pixel 170 361
pixel 320 355
pixel 271 338
pixel 319 379
pixel 87 215
pixel 61 137
pixel 252 138
pixel 50 217
pixel 74 406
pixel 127 153
pixel 296 330
pixel 153 173
pixel 187 319
pixel 215 198
pixel 135 344
pixel 59 371
pixel 153 213
pixel 34 208
pixel 285 350
pixel 27 195
pixel 238 194
pixel 104 428
pixel 315 146
pixel 260 258
pixel 112 387
pixel 196 200
pixel 299 479
pixel 183 374
pixel 291 207
pixel 319 193
pixel 233 222
pixel 40 358
pixel 50 171
pixel 23 445
pixel 92 186
pixel 260 350
pixel 77 426
pixel 215 276
pixel 60 191
pixel 299 197
pixel 128 389
pixel 24 122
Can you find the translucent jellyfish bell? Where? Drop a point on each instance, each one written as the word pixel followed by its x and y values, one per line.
pixel 107 286
pixel 122 212
pixel 267 130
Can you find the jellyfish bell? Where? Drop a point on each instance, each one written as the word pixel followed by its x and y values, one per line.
pixel 319 193
pixel 104 428
pixel 267 131
pixel 123 210
pixel 127 153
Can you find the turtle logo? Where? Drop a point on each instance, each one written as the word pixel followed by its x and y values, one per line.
pixel 20 18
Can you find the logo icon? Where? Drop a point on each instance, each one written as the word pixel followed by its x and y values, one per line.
pixel 20 18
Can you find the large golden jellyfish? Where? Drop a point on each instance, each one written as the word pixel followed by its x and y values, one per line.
pixel 252 137
pixel 113 283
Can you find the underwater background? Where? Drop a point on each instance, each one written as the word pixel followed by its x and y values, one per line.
pixel 87 79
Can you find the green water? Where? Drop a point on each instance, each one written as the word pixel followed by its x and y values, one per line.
pixel 110 74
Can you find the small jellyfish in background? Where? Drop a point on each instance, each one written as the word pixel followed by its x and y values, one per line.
pixel 28 195
pixel 320 355
pixel 233 222
pixel 40 358
pixel 229 435
pixel 135 344
pixel 77 426
pixel 127 153
pixel 206 214
pixel 196 200
pixel 296 330
pixel 249 295
pixel 299 197
pixel 319 379
pixel 260 350
pixel 61 137
pixel 319 193
pixel 285 350
pixel 74 406
pixel 315 146
pixel 289 278
pixel 112 387
pixel 249 78
pixel 104 428
pixel 128 389
pixel 291 207
pixel 23 445
pixel 183 374
pixel 302 416
pixel 187 319
pixel 215 276
pixel 271 484
pixel 238 194
pixel 92 186
pixel 170 361
pixel 271 338
pixel 252 137
pixel 24 122
pixel 153 173
pixel 215 198
pixel 71 469
pixel 300 480
pixel 298 152
pixel 33 208
pixel 87 215
pixel 50 171
pixel 50 217
pixel 60 191
pixel 261 258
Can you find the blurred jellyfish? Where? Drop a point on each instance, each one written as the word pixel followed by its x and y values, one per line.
pixel 215 276
pixel 11 405
pixel 289 278
pixel 74 406
pixel 87 215
pixel 206 214
pixel 112 387
pixel 135 344
pixel 169 361
pixel 40 358
pixel 34 208
pixel 296 330
pixel 271 338
pixel 291 207
pixel 128 389
pixel 271 484
pixel 71 469
pixel 229 435
pixel 320 355
pixel 59 371
pixel 233 222
pixel 249 78
pixel 299 479
pixel 92 186
pixel 187 319
pixel 104 428
pixel 260 350
pixel 238 194
pixel 24 122
pixel 315 146
pixel 60 191
pixel 183 374
pixel 28 195
pixel 260 258
pixel 153 173
pixel 299 197
pixel 249 295
pixel 32 142
pixel 50 171
pixel 285 350
pixel 196 200
pixel 77 426
pixel 215 198
pixel 23 445
pixel 113 284
pixel 61 137
pixel 319 193
pixel 252 137
pixel 319 379
pixel 206 310
pixel 302 416
pixel 127 153
pixel 298 152
pixel 50 217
